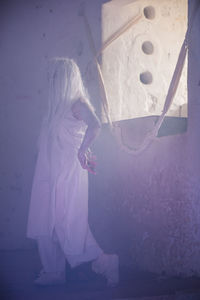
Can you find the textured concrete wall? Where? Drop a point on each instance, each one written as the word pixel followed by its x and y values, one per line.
pixel 146 207
pixel 138 66
pixel 149 204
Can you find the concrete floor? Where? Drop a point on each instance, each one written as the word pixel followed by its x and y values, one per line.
pixel 18 270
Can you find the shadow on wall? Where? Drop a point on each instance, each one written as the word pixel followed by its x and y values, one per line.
pixel 130 193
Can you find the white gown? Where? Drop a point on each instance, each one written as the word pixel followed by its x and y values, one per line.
pixel 59 198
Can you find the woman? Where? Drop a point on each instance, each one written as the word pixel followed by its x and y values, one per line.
pixel 58 215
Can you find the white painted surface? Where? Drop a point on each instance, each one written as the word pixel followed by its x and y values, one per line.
pixel 124 60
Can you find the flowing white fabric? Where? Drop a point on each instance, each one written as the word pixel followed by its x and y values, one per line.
pixel 58 214
pixel 51 256
pixel 59 199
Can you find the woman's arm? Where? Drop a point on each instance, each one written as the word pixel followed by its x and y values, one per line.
pixel 82 111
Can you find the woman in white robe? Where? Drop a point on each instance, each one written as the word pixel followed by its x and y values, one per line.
pixel 58 214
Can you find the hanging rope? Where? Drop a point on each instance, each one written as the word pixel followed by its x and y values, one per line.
pixel 100 76
pixel 117 34
pixel 152 135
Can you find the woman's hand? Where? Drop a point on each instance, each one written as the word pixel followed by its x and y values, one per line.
pixel 87 160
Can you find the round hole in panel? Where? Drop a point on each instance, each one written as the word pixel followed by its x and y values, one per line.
pixel 146 77
pixel 147 47
pixel 149 12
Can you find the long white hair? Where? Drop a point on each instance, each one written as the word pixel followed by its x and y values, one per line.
pixel 65 87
